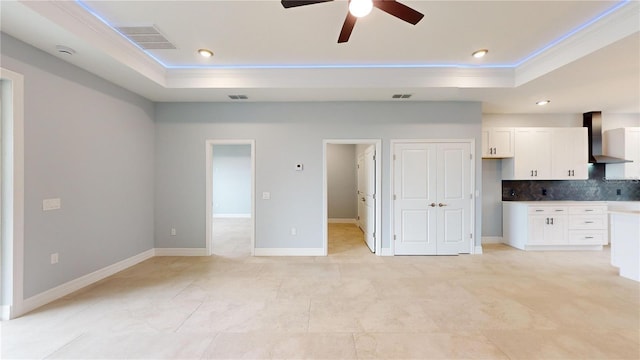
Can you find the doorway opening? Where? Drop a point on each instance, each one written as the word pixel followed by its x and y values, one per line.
pixel 230 198
pixel 351 193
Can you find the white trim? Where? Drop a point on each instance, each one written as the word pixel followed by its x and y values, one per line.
pixel 492 239
pixel 209 188
pixel 472 175
pixel 477 250
pixel 13 192
pixel 378 202
pixel 562 247
pixel 232 216
pixel 181 252
pixel 386 251
pixel 290 252
pixel 5 312
pixel 342 221
pixel 67 288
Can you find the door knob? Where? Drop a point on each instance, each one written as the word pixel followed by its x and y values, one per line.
pixel 363 199
pixel 441 204
pixel 432 204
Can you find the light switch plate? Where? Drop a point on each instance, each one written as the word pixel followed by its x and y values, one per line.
pixel 266 195
pixel 51 204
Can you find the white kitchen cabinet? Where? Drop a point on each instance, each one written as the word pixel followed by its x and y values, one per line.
pixel 569 154
pixel 623 143
pixel 497 143
pixel 532 155
pixel 548 154
pixel 555 225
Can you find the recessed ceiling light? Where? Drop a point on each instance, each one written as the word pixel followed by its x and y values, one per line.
pixel 65 50
pixel 543 102
pixel 205 53
pixel 479 53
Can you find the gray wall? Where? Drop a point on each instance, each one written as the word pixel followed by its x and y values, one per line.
pixel 342 184
pixel 231 179
pixel 89 143
pixel 286 134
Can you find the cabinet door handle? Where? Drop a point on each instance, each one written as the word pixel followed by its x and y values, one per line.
pixel 536 172
pixel 432 204
pixel 569 173
pixel 588 222
pixel 539 210
pixel 559 210
pixel 588 237
pixel 551 221
pixel 495 151
pixel 588 210
pixel 531 172
pixel 547 221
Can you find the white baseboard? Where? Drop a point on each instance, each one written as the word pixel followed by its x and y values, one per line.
pixel 492 239
pixel 5 312
pixel 289 252
pixel 232 216
pixel 342 221
pixel 74 285
pixel 180 252
pixel 386 252
pixel 477 250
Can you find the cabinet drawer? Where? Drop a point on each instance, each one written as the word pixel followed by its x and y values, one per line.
pixel 588 210
pixel 588 222
pixel 547 210
pixel 577 237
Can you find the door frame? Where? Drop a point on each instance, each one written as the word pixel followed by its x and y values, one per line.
pixel 472 186
pixel 325 209
pixel 12 234
pixel 209 143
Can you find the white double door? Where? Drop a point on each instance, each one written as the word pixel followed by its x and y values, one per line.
pixel 366 195
pixel 432 198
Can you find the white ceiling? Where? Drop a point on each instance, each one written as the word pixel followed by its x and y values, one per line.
pixel 582 55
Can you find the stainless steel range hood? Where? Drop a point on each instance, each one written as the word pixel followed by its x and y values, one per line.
pixel 593 122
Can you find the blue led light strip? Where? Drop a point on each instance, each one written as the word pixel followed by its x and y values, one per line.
pixel 366 66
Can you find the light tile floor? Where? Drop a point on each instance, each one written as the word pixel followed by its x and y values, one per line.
pixel 505 304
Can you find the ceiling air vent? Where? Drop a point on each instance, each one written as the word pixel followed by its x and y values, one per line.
pixel 238 97
pixel 147 37
pixel 401 96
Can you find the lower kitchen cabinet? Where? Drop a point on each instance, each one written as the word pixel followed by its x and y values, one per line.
pixel 557 225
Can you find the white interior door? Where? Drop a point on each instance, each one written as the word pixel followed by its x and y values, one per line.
pixel 432 203
pixel 361 199
pixel 415 199
pixel 454 199
pixel 369 197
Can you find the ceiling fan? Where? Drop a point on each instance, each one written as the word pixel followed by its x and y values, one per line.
pixel 359 8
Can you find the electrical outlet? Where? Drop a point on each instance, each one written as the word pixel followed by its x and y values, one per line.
pixel 173 232
pixel 618 191
pixel 54 258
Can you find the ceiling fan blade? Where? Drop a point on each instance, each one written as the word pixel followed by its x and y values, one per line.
pixel 293 3
pixel 347 28
pixel 399 10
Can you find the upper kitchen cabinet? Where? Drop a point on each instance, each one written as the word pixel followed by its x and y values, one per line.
pixel 497 143
pixel 532 155
pixel 623 143
pixel 548 154
pixel 569 154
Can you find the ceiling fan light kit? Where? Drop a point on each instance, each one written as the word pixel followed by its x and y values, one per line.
pixel 358 8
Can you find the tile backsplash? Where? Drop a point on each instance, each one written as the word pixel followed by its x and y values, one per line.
pixel 596 188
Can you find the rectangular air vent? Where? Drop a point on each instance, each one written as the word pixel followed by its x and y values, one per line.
pixel 238 97
pixel 401 96
pixel 147 37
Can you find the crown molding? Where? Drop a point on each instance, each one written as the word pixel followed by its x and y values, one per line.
pixel 72 17
pixel 605 31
